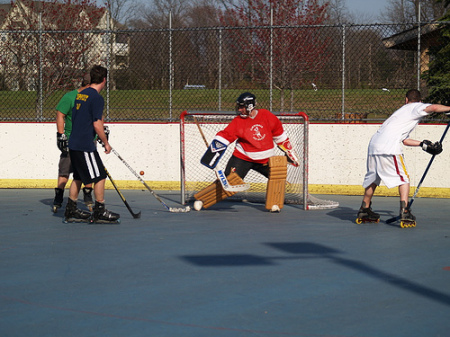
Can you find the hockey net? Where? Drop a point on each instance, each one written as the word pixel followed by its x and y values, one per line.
pixel 195 176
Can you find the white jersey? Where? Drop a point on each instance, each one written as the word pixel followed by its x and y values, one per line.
pixel 389 137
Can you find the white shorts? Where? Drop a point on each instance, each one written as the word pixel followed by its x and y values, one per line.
pixel 390 169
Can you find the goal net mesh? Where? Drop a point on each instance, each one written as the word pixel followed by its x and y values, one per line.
pixel 197 129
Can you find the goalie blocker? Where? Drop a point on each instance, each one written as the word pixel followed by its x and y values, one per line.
pixel 213 154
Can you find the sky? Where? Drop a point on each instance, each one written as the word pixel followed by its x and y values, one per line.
pixel 373 7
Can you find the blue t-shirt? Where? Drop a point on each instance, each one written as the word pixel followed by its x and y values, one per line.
pixel 88 108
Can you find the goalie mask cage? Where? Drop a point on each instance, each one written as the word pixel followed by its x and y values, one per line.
pixel 197 129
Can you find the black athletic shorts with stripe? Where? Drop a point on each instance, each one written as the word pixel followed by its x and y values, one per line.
pixel 87 166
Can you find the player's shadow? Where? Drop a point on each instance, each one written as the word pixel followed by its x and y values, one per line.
pixel 228 205
pixel 60 212
pixel 350 214
pixel 309 250
pixel 344 213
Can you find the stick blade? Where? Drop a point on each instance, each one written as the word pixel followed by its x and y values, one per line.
pixel 236 188
pixel 226 185
pixel 180 209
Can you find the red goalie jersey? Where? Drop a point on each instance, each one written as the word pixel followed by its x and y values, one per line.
pixel 256 138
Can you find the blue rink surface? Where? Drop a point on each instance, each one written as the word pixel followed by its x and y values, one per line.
pixel 232 270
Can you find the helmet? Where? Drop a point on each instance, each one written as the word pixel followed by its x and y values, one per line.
pixel 247 100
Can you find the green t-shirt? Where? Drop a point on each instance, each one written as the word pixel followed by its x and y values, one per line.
pixel 65 106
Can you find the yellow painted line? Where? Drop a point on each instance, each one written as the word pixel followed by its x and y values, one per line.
pixel 425 192
pixel 121 184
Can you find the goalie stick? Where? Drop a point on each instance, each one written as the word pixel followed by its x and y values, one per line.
pixel 396 218
pixel 134 215
pixel 170 209
pixel 219 172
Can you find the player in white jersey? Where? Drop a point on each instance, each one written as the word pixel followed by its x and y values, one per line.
pixel 385 160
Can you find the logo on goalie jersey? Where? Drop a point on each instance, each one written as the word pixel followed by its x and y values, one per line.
pixel 256 129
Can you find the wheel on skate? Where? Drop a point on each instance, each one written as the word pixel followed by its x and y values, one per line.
pixel 75 220
pixel 407 223
pixel 362 220
pixel 104 222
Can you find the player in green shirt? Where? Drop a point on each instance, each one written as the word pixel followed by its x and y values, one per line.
pixel 64 129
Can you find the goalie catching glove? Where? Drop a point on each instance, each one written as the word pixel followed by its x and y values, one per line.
pixel 62 142
pixel 213 154
pixel 431 148
pixel 291 155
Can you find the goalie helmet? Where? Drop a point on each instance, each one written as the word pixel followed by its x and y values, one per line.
pixel 247 100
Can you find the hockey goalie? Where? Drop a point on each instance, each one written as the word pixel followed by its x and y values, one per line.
pixel 257 133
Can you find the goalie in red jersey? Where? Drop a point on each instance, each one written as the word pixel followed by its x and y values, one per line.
pixel 257 133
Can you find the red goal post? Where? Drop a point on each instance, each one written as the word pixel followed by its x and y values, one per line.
pixel 198 128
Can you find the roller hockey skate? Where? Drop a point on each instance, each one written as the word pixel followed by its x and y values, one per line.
pixel 365 214
pixel 407 219
pixel 102 216
pixel 59 198
pixel 87 197
pixel 74 214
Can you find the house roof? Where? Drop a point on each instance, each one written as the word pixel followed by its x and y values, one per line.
pixel 407 40
pixel 56 12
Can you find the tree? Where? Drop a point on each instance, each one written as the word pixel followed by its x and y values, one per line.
pixel 122 11
pixel 299 50
pixel 43 46
pixel 437 76
pixel 407 11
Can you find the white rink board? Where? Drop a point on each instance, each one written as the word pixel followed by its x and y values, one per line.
pixel 337 152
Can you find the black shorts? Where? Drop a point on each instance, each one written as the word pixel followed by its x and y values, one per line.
pixel 64 166
pixel 242 167
pixel 87 166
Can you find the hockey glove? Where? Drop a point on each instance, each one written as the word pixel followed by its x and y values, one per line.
pixel 62 142
pixel 292 156
pixel 431 148
pixel 106 130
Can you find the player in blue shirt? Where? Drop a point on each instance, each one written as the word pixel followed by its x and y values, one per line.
pixel 87 123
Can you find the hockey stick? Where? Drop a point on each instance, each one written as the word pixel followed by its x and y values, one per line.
pixel 170 209
pixel 219 172
pixel 134 215
pixel 398 217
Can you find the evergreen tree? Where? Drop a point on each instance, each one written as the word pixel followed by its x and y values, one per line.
pixel 438 74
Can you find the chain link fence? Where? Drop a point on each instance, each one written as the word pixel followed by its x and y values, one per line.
pixel 349 73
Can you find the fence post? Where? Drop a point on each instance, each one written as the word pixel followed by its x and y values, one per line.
pixel 220 69
pixel 40 109
pixel 343 72
pixel 419 33
pixel 271 60
pixel 108 62
pixel 170 66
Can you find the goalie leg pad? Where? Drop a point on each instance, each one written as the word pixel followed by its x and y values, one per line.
pixel 277 182
pixel 214 193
